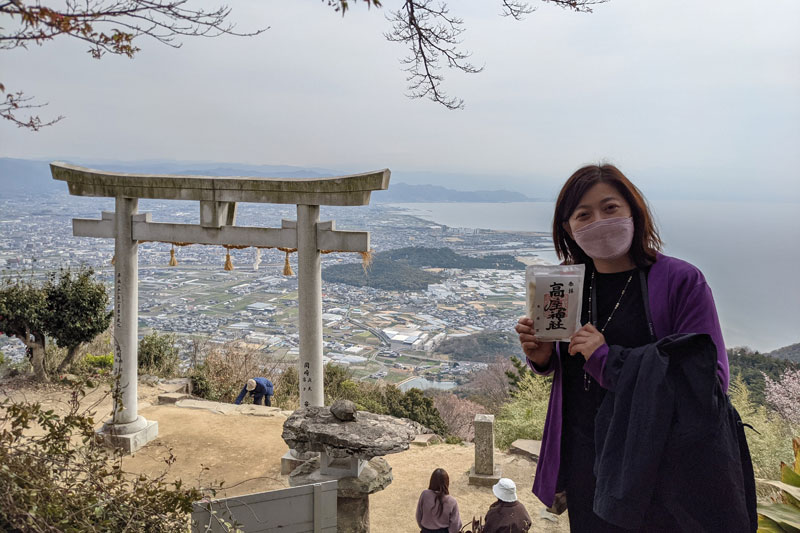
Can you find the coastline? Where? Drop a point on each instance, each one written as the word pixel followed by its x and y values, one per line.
pixel 731 251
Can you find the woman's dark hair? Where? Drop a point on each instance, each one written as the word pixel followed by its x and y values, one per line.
pixel 440 484
pixel 646 241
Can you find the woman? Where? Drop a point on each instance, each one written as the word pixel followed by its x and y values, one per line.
pixel 507 514
pixel 437 511
pixel 635 303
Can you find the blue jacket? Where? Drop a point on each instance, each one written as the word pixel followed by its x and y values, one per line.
pixel 263 388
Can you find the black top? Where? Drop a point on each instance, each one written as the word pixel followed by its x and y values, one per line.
pixel 582 396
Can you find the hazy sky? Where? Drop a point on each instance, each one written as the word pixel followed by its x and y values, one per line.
pixel 683 95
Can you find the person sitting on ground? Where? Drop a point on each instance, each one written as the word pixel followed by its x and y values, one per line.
pixel 437 511
pixel 507 514
pixel 258 388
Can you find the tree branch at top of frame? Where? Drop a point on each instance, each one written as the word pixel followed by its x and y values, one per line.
pixel 108 26
pixel 433 36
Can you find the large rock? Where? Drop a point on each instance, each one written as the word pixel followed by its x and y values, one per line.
pixel 352 502
pixel 376 475
pixel 527 448
pixel 344 410
pixel 317 429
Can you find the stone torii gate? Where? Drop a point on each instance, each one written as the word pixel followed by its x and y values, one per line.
pixel 218 198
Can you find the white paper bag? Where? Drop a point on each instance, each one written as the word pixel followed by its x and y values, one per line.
pixel 554 297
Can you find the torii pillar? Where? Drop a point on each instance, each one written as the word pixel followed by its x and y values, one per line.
pixel 218 198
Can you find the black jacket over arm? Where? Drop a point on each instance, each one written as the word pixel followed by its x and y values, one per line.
pixel 670 448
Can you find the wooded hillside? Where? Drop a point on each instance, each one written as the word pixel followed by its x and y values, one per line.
pixel 401 269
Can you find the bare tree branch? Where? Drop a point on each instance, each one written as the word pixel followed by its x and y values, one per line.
pixel 15 103
pixel 108 26
pixel 434 38
pixel 581 6
pixel 516 9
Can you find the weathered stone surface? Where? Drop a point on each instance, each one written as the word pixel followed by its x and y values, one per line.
pixel 484 444
pixel 337 190
pixel 352 515
pixel 376 475
pixel 426 439
pixel 526 448
pixel 222 408
pixel 132 442
pixel 176 385
pixel 484 480
pixel 170 397
pixel 371 435
pixel 344 410
pixel 289 462
pixel 149 379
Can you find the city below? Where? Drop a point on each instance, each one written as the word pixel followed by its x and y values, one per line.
pixel 389 335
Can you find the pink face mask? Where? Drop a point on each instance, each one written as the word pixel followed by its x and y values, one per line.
pixel 606 239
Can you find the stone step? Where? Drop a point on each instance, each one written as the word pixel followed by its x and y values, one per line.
pixel 227 408
pixel 175 385
pixel 171 397
pixel 426 439
pixel 527 448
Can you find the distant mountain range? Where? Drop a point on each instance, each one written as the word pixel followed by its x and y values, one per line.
pixel 791 353
pixel 24 176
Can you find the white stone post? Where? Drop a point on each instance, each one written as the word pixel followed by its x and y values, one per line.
pixel 309 289
pixel 126 428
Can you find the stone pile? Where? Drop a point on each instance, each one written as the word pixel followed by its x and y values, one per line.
pixel 351 444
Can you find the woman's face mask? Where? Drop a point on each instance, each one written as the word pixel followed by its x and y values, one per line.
pixel 606 239
pixel 602 224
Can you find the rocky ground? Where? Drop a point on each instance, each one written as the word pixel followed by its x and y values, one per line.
pixel 243 447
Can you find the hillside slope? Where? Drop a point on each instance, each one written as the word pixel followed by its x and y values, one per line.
pixel 791 353
pixel 245 451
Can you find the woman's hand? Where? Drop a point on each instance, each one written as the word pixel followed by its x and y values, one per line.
pixel 537 351
pixel 585 341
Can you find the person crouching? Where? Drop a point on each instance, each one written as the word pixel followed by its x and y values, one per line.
pixel 259 388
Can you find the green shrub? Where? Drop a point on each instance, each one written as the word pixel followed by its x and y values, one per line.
pixel 59 478
pixel 414 405
pixel 99 362
pixel 158 354
pixel 523 416
pixel 200 385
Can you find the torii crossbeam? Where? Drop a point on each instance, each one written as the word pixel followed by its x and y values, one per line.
pixel 218 197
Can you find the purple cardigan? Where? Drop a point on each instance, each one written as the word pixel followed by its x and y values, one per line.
pixel 680 302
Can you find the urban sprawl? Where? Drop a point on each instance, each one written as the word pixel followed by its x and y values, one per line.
pixel 379 334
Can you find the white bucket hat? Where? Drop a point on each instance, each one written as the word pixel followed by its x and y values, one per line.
pixel 251 384
pixel 505 489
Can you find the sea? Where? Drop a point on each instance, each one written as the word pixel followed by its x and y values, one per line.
pixel 749 253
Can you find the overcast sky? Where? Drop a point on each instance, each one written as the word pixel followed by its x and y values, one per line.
pixel 679 93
